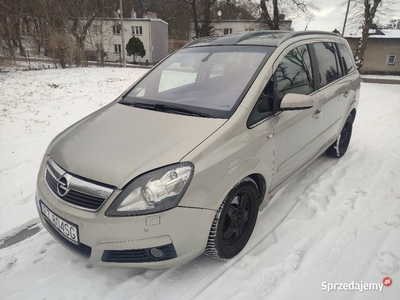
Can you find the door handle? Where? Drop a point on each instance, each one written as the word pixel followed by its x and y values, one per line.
pixel 316 114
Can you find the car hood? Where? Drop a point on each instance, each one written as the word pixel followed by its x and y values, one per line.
pixel 118 142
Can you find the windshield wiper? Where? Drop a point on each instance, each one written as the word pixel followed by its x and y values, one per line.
pixel 168 108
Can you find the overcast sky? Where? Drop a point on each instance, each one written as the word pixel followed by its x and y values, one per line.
pixel 331 16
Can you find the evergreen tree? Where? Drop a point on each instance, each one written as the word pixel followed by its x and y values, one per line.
pixel 135 47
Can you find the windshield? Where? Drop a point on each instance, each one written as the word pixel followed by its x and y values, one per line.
pixel 210 81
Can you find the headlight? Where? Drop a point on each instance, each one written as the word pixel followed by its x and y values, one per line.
pixel 153 192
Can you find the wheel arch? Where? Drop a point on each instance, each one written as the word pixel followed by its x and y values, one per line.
pixel 353 113
pixel 261 184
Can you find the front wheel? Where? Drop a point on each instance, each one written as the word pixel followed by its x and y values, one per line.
pixel 234 221
pixel 339 147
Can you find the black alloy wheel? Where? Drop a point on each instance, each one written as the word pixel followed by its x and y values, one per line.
pixel 340 146
pixel 234 221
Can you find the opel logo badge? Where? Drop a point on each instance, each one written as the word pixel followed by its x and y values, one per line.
pixel 62 186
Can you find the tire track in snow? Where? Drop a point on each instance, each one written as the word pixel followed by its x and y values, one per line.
pixel 264 281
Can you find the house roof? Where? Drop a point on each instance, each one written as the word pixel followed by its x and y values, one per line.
pixel 132 20
pixel 245 21
pixel 376 34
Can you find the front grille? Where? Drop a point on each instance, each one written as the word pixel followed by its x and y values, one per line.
pixel 81 249
pixel 138 255
pixel 73 197
pixel 78 192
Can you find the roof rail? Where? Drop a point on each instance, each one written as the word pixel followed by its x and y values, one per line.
pixel 200 41
pixel 260 33
pixel 244 36
pixel 301 33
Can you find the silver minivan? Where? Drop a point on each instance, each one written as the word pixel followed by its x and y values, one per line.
pixel 179 164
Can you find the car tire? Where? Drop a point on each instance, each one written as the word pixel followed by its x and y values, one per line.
pixel 339 147
pixel 234 221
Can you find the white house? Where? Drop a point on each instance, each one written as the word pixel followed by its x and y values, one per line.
pixel 105 34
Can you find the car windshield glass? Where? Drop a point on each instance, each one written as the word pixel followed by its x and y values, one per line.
pixel 209 81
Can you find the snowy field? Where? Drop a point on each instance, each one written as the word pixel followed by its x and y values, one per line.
pixel 338 222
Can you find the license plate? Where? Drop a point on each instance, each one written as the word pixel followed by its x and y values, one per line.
pixel 68 230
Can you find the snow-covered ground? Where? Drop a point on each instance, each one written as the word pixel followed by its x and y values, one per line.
pixel 34 107
pixel 338 222
pixel 390 77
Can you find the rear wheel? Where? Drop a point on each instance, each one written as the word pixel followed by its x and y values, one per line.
pixel 234 221
pixel 339 147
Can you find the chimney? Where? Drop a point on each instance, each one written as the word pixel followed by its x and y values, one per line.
pixel 150 15
pixel 281 17
pixel 133 14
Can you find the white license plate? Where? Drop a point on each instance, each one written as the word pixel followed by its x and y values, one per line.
pixel 67 229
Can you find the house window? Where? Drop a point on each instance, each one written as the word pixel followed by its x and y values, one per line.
pixel 137 30
pixel 96 29
pixel 117 48
pixel 249 29
pixel 227 31
pixel 391 59
pixel 117 29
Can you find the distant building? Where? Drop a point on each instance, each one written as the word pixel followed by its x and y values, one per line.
pixel 105 35
pixel 225 27
pixel 382 55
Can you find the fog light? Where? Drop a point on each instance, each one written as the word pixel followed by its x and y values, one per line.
pixel 156 252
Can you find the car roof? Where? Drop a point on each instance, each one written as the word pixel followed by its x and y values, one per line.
pixel 256 38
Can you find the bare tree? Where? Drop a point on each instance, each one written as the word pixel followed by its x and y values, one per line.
pixel 11 13
pixel 36 23
pixel 201 12
pixel 362 15
pixel 236 9
pixel 176 13
pixel 204 11
pixel 78 16
pixel 393 24
pixel 270 10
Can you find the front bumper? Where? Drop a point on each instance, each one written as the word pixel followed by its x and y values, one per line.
pixel 180 233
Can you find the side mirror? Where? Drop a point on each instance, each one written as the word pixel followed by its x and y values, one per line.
pixel 296 102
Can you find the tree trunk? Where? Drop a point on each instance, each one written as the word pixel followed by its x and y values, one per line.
pixel 17 35
pixel 195 20
pixel 276 15
pixel 7 35
pixel 265 15
pixel 369 15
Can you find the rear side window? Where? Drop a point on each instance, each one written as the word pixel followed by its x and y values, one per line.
pixel 328 65
pixel 294 73
pixel 346 58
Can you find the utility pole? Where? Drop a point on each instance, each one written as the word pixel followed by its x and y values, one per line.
pixel 122 35
pixel 345 18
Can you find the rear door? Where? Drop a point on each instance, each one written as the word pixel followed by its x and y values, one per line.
pixel 333 90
